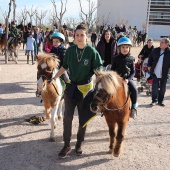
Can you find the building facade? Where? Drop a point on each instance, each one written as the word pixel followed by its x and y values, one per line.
pixel 151 14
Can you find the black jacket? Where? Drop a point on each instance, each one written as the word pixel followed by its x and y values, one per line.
pixel 101 49
pixel 146 51
pixel 93 37
pixel 153 59
pixel 59 52
pixel 124 66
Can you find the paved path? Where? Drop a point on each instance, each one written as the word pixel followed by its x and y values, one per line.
pixel 24 146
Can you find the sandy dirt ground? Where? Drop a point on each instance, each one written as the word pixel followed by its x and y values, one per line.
pixel 24 146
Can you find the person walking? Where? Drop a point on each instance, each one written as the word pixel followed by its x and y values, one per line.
pixel 146 50
pixel 1 29
pixel 38 38
pixel 158 65
pixel 30 47
pixel 81 60
pixel 107 47
pixel 93 38
pixel 48 43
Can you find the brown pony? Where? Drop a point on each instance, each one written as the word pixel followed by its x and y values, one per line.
pixel 2 43
pixel 14 46
pixel 51 89
pixel 111 98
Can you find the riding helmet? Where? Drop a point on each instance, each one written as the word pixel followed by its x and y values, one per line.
pixel 58 35
pixel 124 41
pixel 51 32
pixel 13 23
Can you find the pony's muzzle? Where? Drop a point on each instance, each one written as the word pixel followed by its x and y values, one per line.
pixel 94 108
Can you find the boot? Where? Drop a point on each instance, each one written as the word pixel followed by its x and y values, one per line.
pixel 32 59
pixel 133 113
pixel 27 59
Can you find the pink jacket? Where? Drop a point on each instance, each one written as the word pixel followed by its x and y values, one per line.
pixel 48 46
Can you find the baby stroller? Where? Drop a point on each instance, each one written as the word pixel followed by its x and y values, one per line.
pixel 143 76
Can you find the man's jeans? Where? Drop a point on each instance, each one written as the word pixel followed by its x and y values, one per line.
pixel 158 89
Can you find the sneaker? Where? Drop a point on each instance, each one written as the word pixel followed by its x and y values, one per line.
pixel 64 152
pixel 78 150
pixel 133 113
pixel 161 104
pixel 154 103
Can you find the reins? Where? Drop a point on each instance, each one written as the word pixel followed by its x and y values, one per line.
pixel 50 81
pixel 119 107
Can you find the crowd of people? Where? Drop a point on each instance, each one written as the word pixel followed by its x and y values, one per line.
pixel 79 60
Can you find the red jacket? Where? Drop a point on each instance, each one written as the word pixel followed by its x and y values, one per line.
pixel 48 46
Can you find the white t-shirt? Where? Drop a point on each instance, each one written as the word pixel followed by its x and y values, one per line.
pixel 158 68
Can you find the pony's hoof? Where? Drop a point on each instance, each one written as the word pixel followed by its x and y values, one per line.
pixel 60 117
pixel 48 116
pixel 110 151
pixel 52 139
pixel 116 154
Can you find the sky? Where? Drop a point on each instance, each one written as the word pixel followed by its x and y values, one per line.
pixel 73 8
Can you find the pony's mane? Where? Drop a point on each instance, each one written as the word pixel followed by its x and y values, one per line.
pixel 51 60
pixel 110 81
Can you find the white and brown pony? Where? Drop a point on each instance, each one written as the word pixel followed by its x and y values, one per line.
pixel 51 88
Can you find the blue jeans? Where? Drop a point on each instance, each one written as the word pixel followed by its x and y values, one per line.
pixel 158 88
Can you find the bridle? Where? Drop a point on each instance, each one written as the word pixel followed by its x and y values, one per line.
pixel 103 102
pixel 51 81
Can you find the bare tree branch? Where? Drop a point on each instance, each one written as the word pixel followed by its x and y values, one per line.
pixel 41 16
pixel 24 14
pixel 9 11
pixel 63 9
pixel 4 13
pixel 88 17
pixel 14 10
pixel 31 13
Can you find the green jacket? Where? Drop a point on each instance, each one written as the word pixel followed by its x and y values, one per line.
pixel 13 32
pixel 81 67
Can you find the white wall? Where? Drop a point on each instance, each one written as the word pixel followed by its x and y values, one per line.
pixel 135 11
pixel 155 31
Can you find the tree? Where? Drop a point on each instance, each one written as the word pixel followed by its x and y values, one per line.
pixel 89 17
pixel 3 14
pixel 72 22
pixel 14 10
pixel 6 32
pixel 40 16
pixel 31 13
pixel 24 15
pixel 62 11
